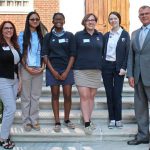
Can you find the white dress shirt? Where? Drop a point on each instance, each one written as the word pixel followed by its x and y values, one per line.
pixel 112 43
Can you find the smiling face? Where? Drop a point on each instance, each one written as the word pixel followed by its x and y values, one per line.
pixel 144 15
pixel 58 22
pixel 34 21
pixel 114 21
pixel 90 23
pixel 8 31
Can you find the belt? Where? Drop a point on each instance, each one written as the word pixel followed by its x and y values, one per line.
pixel 111 62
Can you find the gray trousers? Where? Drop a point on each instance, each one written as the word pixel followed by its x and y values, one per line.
pixel 31 92
pixel 141 98
pixel 8 92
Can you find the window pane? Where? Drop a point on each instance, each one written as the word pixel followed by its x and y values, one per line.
pixel 2 3
pixel 16 3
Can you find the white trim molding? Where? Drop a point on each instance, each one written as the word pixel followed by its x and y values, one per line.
pixel 16 6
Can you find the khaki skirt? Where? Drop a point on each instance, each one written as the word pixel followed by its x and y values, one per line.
pixel 87 78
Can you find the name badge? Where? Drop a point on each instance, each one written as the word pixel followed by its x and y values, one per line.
pixel 61 40
pixel 86 40
pixel 6 48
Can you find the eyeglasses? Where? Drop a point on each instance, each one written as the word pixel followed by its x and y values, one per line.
pixel 90 20
pixel 34 19
pixel 8 28
pixel 143 14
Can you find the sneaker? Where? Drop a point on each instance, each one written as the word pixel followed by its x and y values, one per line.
pixel 111 124
pixel 88 130
pixel 36 127
pixel 69 125
pixel 93 126
pixel 28 127
pixel 119 124
pixel 57 128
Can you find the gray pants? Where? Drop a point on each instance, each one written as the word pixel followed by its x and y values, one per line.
pixel 8 92
pixel 31 92
pixel 141 98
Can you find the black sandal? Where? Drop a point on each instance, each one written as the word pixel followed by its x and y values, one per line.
pixel 7 144
pixel 10 142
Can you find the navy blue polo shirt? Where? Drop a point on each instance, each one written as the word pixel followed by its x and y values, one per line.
pixel 59 49
pixel 89 50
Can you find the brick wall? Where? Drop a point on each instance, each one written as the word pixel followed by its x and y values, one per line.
pixel 45 8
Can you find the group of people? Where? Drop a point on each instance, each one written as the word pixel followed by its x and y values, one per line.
pixel 78 59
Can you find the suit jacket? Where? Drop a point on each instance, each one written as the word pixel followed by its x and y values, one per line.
pixel 139 59
pixel 122 49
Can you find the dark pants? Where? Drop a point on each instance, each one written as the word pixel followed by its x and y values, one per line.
pixel 113 84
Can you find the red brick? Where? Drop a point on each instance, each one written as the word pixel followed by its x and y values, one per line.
pixel 45 8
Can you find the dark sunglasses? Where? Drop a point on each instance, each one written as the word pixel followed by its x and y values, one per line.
pixel 34 19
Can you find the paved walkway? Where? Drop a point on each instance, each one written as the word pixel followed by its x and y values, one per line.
pixel 103 145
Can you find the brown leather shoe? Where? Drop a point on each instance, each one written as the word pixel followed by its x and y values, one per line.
pixel 36 127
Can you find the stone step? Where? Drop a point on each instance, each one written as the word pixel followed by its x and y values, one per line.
pixel 100 103
pixel 47 134
pixel 99 116
pixel 79 145
pixel 127 91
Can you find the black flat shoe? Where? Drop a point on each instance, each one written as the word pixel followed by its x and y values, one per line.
pixel 137 142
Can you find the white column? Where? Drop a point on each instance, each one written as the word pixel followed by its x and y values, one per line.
pixel 134 7
pixel 74 11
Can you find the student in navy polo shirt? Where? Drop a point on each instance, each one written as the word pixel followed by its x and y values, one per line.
pixel 114 66
pixel 59 54
pixel 87 68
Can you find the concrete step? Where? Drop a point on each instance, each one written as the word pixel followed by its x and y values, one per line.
pixel 47 134
pixel 79 145
pixel 100 103
pixel 127 91
pixel 99 116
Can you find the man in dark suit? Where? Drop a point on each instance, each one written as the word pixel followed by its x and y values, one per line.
pixel 138 72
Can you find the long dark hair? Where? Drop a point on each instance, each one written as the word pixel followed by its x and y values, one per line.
pixel 13 38
pixel 27 34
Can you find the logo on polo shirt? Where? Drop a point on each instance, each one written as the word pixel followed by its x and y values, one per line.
pixel 97 38
pixel 67 40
